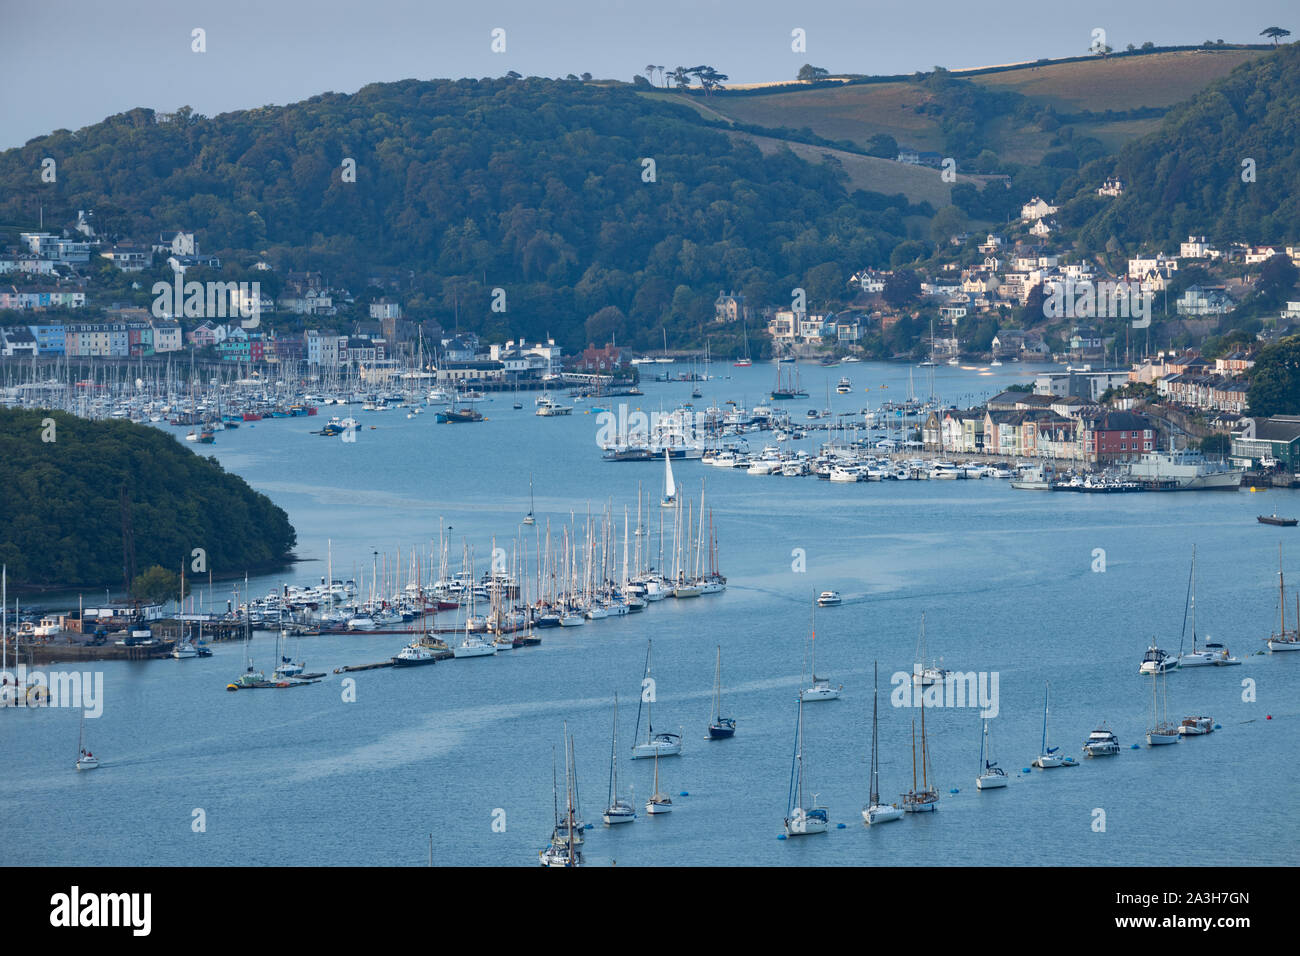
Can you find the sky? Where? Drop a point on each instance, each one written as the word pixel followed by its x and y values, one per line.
pixel 71 63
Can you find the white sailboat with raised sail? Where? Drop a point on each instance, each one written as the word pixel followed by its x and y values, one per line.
pixel 669 498
pixel 800 818
pixel 619 810
pixel 875 811
pixel 656 744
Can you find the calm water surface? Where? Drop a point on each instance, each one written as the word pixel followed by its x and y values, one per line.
pixel 1005 579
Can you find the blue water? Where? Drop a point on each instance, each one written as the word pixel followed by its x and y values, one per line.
pixel 1005 578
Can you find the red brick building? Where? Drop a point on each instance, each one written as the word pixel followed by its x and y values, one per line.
pixel 608 359
pixel 1116 436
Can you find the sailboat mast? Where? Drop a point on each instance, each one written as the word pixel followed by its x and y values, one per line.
pixel 875 707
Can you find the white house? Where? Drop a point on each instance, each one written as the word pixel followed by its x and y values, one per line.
pixel 1111 187
pixel 1036 208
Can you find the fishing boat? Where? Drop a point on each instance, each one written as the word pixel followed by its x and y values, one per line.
pixel 821 688
pixel 875 811
pixel 1102 742
pixel 669 498
pixel 415 654
pixel 800 818
pixel 828 599
pixel 1284 640
pixel 720 728
pixel 1049 757
pixel 926 799
pixel 659 802
pixel 1273 519
pixel 85 759
pixel 991 776
pixel 656 744
pixel 619 810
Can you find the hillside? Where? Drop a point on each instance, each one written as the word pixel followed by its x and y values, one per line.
pixel 530 185
pixel 903 110
pixel 67 502
pixel 1187 177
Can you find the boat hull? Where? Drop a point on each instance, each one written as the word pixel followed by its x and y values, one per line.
pixel 1161 739
pixel 990 782
pixel 881 814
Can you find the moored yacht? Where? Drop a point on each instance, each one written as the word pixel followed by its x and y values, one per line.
pixel 1101 743
pixel 991 776
pixel 1196 726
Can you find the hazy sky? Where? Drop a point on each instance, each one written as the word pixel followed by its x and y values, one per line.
pixel 70 63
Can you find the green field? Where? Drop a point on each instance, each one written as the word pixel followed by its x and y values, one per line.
pixel 856 113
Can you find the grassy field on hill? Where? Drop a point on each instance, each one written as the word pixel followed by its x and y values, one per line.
pixel 1123 83
pixel 856 113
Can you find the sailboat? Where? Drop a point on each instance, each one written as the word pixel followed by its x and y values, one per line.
pixel 1284 640
pixel 744 361
pixel 85 759
pixel 1161 731
pixel 619 810
pixel 250 677
pixel 991 776
pixel 802 820
pixel 720 728
pixel 528 518
pixel 930 362
pixel 926 799
pixel 655 743
pixel 875 811
pixel 670 488
pixel 821 688
pixel 658 802
pixel 1049 757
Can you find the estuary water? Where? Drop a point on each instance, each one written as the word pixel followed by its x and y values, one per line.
pixel 1027 586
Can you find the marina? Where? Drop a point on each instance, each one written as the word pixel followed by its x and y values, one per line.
pixel 455 724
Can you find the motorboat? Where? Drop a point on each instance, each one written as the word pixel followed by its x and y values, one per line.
pixel 1156 661
pixel 1196 726
pixel 828 599
pixel 1101 743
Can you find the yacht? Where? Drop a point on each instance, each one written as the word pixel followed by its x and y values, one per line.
pixel 844 386
pixel 991 776
pixel 184 650
pixel 619 809
pixel 85 759
pixel 875 811
pixel 1050 757
pixel 473 646
pixel 802 820
pixel 828 599
pixel 1161 731
pixel 1156 661
pixel 658 802
pixel 656 744
pixel 1101 743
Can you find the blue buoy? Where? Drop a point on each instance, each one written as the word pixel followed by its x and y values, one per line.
pixel 1133 747
pixel 954 790
pixel 1024 770
pixel 840 826
pixel 684 793
pixel 780 836
pixel 1218 726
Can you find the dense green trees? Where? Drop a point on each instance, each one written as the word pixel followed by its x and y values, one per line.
pixel 536 186
pixel 1226 163
pixel 1275 380
pixel 103 499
